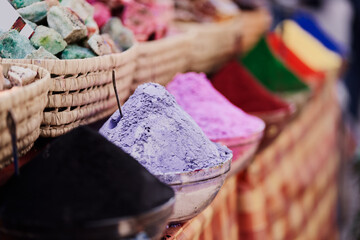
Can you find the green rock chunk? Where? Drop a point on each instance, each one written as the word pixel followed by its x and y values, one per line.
pixel 35 12
pixel 122 36
pixel 15 46
pixel 67 23
pixel 76 52
pixel 48 38
pixel 41 53
pixel 32 24
pixel 22 3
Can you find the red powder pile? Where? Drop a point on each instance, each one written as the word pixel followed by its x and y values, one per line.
pixel 243 90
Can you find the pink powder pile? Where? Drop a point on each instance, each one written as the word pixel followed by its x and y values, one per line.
pixel 216 115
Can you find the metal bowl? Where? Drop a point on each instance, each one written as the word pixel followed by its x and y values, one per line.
pixel 195 190
pixel 149 225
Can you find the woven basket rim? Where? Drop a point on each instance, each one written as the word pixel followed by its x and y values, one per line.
pixel 177 36
pixel 61 66
pixel 208 25
pixel 18 94
pixel 165 44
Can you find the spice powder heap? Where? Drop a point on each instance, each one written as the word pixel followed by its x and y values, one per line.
pixel 242 89
pixel 157 132
pixel 78 179
pixel 216 116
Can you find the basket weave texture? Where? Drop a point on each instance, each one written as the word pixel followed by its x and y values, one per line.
pixel 257 23
pixel 82 90
pixel 158 61
pixel 26 104
pixel 213 43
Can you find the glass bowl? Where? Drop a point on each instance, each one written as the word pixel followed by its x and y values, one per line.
pixel 149 225
pixel 243 150
pixel 275 121
pixel 195 190
pixel 299 99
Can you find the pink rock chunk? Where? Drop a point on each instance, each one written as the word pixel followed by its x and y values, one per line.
pixel 102 13
pixel 20 76
pixel 140 20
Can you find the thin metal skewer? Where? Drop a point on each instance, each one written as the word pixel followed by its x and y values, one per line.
pixel 12 128
pixel 116 94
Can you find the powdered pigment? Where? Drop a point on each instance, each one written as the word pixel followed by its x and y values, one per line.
pixel 81 177
pixel 270 71
pixel 292 61
pixel 216 116
pixel 161 135
pixel 243 90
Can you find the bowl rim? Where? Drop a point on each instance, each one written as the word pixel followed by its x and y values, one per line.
pixel 147 214
pixel 277 113
pixel 154 213
pixel 181 178
pixel 240 141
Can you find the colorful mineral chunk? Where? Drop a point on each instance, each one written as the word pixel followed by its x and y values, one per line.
pixel 92 27
pixel 98 45
pixel 32 24
pixel 122 36
pixel 82 8
pixel 2 79
pixel 40 53
pixel 67 23
pixel 48 38
pixel 20 76
pixel 76 52
pixel 140 19
pixel 15 46
pixel 52 3
pixel 22 3
pixel 85 11
pixel 110 41
pixel 102 13
pixel 7 84
pixel 35 12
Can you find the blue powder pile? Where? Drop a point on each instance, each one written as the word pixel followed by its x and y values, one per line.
pixel 309 24
pixel 157 132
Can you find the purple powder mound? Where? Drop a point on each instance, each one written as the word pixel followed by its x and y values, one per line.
pixel 216 115
pixel 157 132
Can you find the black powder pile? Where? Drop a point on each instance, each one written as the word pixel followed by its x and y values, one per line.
pixel 79 178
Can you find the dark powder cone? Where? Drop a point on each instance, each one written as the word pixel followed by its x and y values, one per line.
pixel 79 178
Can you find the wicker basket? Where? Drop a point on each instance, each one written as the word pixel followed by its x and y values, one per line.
pixel 257 22
pixel 213 43
pixel 27 105
pixel 158 61
pixel 82 90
